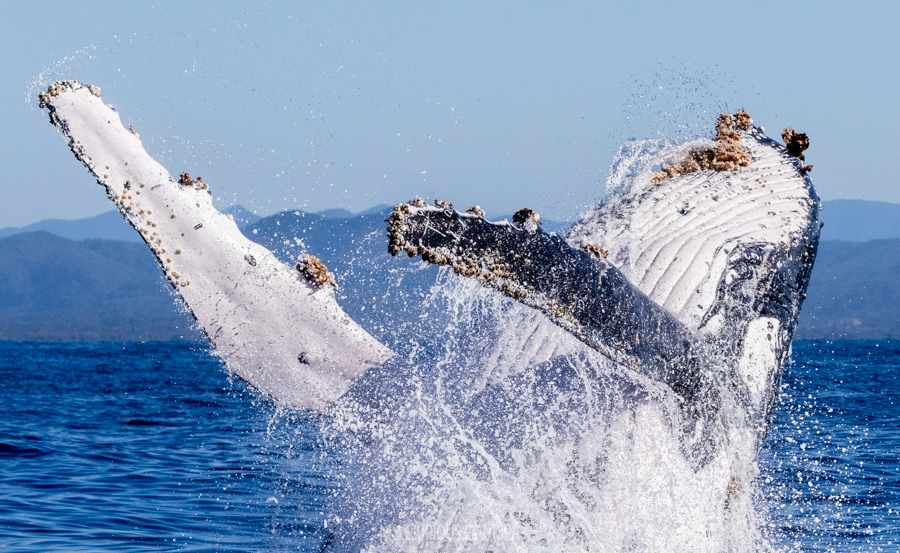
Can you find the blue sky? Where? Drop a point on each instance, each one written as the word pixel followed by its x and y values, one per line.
pixel 286 105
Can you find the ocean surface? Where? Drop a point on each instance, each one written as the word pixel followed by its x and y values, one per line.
pixel 154 447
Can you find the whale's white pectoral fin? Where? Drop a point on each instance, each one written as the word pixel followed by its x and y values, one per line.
pixel 279 330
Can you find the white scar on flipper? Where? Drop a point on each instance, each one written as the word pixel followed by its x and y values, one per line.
pixel 274 328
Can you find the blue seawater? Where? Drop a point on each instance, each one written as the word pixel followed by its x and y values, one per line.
pixel 830 472
pixel 153 447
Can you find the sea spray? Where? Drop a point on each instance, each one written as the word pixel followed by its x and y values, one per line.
pixel 572 454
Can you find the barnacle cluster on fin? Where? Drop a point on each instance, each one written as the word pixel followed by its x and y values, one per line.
pixel 727 155
pixel 59 87
pixel 527 219
pixel 314 271
pixel 497 255
pixel 197 183
pixel 396 240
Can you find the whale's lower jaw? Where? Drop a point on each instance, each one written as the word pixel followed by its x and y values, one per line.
pixel 274 328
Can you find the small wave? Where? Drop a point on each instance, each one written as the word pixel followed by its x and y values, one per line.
pixel 9 451
pixel 143 422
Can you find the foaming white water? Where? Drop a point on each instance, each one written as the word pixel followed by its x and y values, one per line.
pixel 571 453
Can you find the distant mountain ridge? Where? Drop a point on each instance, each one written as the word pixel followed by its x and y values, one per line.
pixel 53 288
pixel 854 291
pixel 108 226
pixel 848 220
pixel 860 220
pixel 58 288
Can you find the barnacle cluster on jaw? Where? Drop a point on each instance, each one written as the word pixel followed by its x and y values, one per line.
pixel 443 204
pixel 314 271
pixel 197 183
pixel 727 155
pixel 475 210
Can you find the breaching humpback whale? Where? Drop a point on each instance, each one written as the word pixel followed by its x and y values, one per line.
pixel 692 275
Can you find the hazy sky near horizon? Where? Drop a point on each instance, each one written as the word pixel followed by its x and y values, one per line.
pixel 286 105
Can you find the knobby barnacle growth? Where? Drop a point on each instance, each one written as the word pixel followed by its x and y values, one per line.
pixel 527 219
pixel 727 155
pixel 185 179
pixel 795 143
pixel 396 241
pixel 595 249
pixel 197 183
pixel 489 266
pixel 314 271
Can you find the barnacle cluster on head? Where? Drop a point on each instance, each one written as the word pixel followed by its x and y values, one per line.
pixel 475 210
pixel 728 154
pixel 314 271
pixel 796 143
pixel 742 120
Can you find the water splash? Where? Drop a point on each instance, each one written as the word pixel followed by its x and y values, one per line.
pixel 572 454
